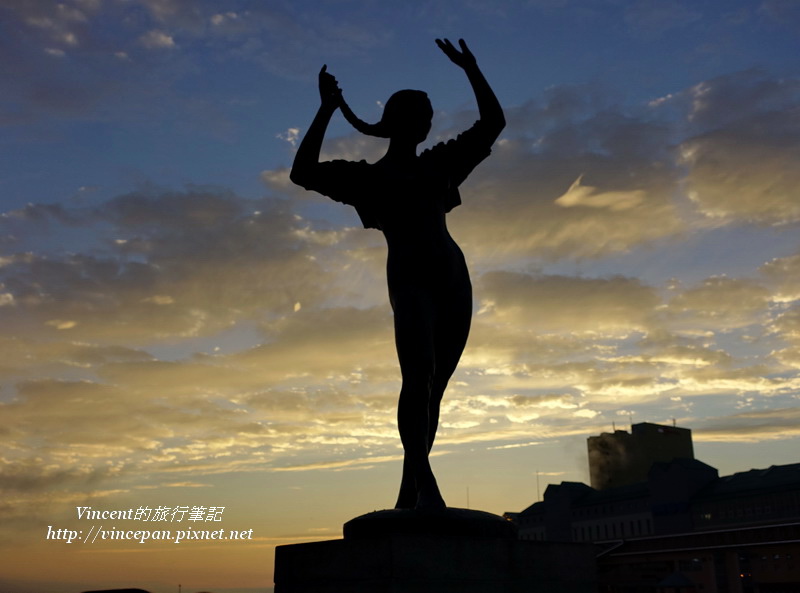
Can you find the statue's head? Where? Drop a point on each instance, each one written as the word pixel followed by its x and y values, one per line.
pixel 407 115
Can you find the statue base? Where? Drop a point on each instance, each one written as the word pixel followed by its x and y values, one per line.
pixel 446 551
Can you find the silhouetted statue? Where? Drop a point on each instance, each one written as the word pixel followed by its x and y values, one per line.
pixel 406 196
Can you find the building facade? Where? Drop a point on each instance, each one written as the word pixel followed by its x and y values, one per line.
pixel 621 458
pixel 683 528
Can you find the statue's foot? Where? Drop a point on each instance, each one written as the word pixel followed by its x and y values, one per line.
pixel 407 499
pixel 430 499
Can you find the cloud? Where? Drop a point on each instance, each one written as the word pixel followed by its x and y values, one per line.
pixel 786 326
pixel 118 61
pixel 753 426
pixel 31 490
pixel 344 464
pixel 526 191
pixel 548 355
pixel 286 42
pixel 568 304
pixel 578 175
pixel 157 40
pixel 740 164
pixel 291 135
pixel 586 195
pixel 59 22
pixel 782 274
pixel 317 349
pixel 182 263
pixel 721 302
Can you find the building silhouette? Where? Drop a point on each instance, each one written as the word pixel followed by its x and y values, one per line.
pixel 683 527
pixel 621 458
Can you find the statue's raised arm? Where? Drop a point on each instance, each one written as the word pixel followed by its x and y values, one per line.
pixel 307 157
pixel 491 113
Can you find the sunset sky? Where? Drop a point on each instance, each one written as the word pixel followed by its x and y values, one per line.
pixel 181 326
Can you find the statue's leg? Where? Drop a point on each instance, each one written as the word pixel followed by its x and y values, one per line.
pixel 407 498
pixel 453 320
pixel 414 319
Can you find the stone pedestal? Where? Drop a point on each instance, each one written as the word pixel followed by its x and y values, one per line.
pixel 451 551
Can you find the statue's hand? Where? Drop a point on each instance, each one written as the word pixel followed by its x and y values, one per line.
pixel 463 58
pixel 329 92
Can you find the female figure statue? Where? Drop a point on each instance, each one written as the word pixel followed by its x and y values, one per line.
pixel 406 196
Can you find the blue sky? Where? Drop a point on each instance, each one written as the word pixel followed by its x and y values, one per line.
pixel 183 326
